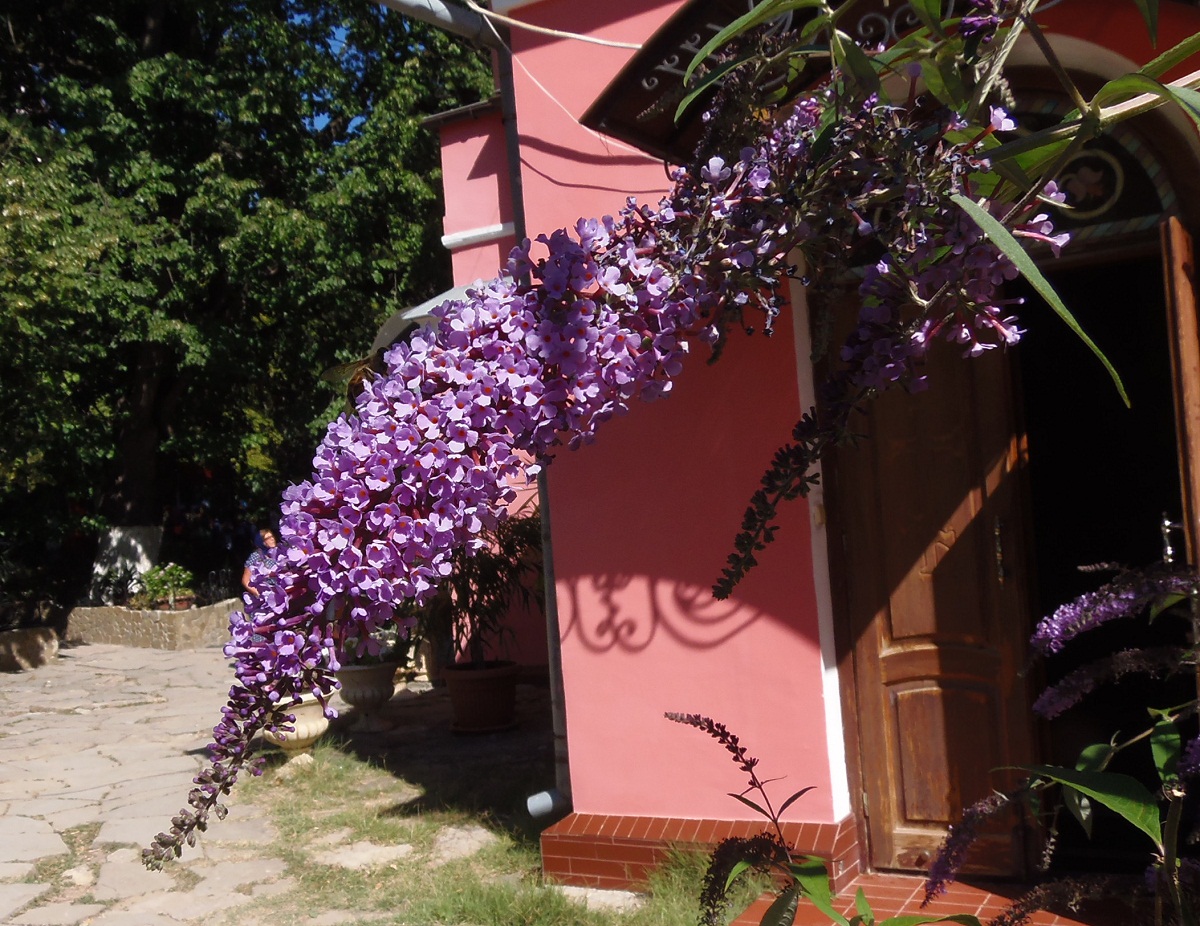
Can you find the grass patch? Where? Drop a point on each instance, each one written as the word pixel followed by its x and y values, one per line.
pixel 51 870
pixel 404 791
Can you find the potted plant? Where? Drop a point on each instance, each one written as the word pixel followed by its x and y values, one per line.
pixel 472 608
pixel 165 588
pixel 367 675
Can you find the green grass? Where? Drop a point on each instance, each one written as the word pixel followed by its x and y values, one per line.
pixel 349 799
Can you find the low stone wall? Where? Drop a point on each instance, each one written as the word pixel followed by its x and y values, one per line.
pixel 172 630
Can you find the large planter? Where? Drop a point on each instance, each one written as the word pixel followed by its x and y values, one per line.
pixel 366 689
pixel 311 723
pixel 482 700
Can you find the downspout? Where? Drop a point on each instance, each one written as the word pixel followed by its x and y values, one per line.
pixel 449 18
pixel 558 799
pixel 472 26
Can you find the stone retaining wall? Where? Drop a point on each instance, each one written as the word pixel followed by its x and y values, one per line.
pixel 171 630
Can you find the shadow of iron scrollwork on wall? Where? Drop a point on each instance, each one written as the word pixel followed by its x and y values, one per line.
pixel 622 611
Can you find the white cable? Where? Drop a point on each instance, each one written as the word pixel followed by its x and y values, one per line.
pixel 509 21
pixel 605 140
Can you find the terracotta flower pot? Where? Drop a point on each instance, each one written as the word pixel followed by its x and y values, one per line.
pixel 366 689
pixel 482 700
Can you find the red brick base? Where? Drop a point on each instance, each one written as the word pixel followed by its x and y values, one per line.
pixel 595 850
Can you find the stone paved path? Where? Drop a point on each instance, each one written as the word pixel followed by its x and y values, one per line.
pixel 97 753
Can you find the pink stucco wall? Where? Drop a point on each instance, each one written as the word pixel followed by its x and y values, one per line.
pixel 475 175
pixel 643 519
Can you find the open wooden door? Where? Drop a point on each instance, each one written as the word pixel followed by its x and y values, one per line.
pixel 1184 335
pixel 934 608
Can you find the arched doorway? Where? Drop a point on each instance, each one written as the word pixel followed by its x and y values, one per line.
pixel 954 524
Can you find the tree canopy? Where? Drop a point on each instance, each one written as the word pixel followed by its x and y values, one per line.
pixel 203 204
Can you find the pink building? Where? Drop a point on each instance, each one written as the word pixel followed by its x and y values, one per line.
pixel 876 652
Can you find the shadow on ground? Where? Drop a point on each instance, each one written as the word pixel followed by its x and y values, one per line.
pixel 488 775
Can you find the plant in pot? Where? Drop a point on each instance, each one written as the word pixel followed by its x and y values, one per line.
pixel 367 677
pixel 165 588
pixel 472 610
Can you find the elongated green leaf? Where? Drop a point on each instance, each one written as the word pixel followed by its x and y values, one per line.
pixel 1188 100
pixel 1095 758
pixel 783 911
pixel 795 797
pixel 930 14
pixel 1003 239
pixel 812 877
pixel 734 873
pixel 765 11
pixel 1080 808
pixel 854 61
pixel 1165 605
pixel 865 914
pixel 1122 88
pixel 710 79
pixel 1121 794
pixel 1165 745
pixel 1149 11
pixel 1172 56
pixel 749 803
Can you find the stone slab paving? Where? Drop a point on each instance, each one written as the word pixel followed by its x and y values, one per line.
pixel 99 751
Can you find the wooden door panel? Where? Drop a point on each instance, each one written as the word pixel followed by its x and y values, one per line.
pixel 937 631
pixel 1184 327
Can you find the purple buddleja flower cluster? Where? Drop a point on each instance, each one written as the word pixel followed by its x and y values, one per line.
pixel 721 734
pixel 763 853
pixel 982 19
pixel 1129 595
pixel 1156 662
pixel 485 396
pixel 958 841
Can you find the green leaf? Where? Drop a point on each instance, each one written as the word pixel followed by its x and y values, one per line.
pixel 1149 11
pixel 749 803
pixel 812 877
pixel 1165 746
pixel 1171 57
pixel 865 913
pixel 930 14
pixel 783 911
pixel 1003 239
pixel 854 61
pixel 1095 758
pixel 737 870
pixel 1165 604
pixel 943 80
pixel 760 14
pixel 795 797
pixel 710 79
pixel 1080 808
pixel 1121 794
pixel 1122 88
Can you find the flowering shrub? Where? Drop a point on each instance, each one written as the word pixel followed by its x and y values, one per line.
pixel 805 877
pixel 1156 594
pixel 423 466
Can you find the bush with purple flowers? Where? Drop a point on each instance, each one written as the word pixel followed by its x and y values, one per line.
pixel 912 191
pixel 1156 810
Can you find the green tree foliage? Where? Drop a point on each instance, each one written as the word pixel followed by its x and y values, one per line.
pixel 203 204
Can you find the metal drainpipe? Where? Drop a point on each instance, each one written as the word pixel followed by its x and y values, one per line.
pixel 472 26
pixel 559 799
pixel 456 19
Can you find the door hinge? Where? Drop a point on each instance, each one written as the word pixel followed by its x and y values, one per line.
pixel 866 805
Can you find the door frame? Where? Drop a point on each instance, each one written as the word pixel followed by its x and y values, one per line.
pixel 1176 144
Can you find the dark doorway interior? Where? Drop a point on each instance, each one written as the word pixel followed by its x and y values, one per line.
pixel 1101 476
